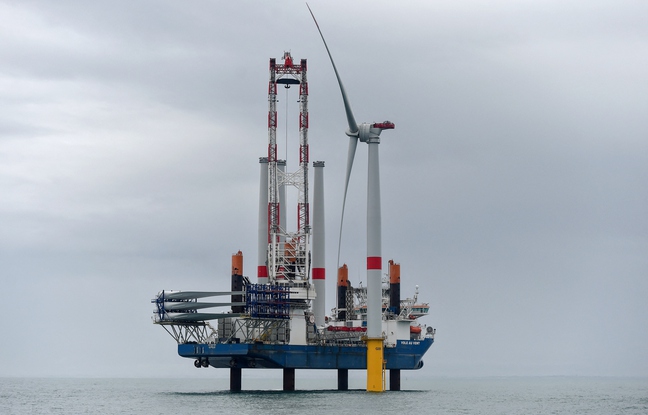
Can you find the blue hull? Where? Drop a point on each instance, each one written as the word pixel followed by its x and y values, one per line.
pixel 406 355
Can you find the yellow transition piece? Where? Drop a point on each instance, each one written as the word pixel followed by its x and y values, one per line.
pixel 375 367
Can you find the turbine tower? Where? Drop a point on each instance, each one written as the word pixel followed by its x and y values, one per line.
pixel 367 133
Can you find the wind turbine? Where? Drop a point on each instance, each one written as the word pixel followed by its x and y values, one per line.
pixel 367 133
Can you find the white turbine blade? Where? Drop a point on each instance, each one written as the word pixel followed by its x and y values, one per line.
pixel 352 132
pixel 353 126
pixel 189 295
pixel 353 143
pixel 194 317
pixel 190 305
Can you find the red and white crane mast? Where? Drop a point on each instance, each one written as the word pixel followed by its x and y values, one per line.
pixel 288 257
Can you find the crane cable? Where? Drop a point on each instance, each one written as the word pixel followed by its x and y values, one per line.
pixel 286 158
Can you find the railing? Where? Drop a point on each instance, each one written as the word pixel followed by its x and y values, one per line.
pixel 267 301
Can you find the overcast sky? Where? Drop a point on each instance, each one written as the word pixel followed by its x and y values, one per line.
pixel 514 187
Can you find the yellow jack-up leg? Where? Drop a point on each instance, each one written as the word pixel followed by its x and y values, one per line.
pixel 375 366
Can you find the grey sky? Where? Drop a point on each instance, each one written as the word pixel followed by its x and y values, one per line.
pixel 514 186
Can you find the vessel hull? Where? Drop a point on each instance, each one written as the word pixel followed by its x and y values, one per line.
pixel 406 355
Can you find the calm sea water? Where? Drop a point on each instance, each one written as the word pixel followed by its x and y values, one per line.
pixel 489 396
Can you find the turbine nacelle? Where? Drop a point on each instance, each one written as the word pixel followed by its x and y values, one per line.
pixel 370 133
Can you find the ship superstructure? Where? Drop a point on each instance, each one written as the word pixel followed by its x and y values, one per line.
pixel 279 321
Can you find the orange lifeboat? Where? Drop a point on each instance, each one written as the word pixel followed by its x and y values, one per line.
pixel 415 329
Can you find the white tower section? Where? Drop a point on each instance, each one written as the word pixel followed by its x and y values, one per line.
pixel 374 244
pixel 262 244
pixel 319 252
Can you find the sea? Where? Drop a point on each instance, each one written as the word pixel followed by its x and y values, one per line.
pixel 313 396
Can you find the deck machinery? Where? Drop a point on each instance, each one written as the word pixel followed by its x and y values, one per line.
pixel 279 321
